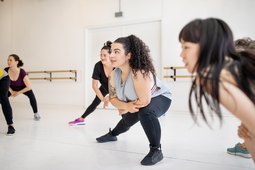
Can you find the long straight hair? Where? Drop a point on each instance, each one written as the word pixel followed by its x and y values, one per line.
pixel 216 44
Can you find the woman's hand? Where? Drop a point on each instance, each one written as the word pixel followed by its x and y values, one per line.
pixel 243 132
pixel 14 93
pixel 106 101
pixel 133 106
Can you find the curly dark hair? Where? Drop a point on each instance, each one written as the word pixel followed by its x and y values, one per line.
pixel 244 43
pixel 140 54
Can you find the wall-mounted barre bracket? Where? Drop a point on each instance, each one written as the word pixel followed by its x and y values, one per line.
pixel 174 76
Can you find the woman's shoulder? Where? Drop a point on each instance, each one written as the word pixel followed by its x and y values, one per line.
pixel 98 64
pixel 116 71
pixel 140 74
pixel 227 76
pixel 115 74
pixel 22 73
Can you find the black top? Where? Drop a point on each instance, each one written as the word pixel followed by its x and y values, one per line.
pixel 18 84
pixel 99 74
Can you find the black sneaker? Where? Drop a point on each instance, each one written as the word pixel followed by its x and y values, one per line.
pixel 107 137
pixel 154 156
pixel 10 131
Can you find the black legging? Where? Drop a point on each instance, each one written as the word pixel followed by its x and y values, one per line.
pixel 4 100
pixel 92 107
pixel 32 99
pixel 148 117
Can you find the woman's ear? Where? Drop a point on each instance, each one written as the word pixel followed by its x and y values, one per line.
pixel 129 55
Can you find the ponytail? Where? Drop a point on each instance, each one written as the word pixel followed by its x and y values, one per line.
pixel 16 58
pixel 107 46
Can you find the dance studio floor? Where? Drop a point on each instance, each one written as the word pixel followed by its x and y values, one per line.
pixel 51 144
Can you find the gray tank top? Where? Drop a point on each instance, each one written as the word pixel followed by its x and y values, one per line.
pixel 126 91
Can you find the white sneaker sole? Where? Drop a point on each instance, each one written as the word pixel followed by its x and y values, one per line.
pixel 77 124
pixel 10 134
pixel 240 154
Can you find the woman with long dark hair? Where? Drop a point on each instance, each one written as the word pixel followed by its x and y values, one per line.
pixel 222 75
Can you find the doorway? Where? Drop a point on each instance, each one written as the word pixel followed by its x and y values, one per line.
pixel 95 37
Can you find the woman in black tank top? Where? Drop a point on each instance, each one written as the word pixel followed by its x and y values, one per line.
pixel 102 69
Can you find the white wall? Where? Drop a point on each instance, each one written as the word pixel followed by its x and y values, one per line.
pixel 239 14
pixel 5 30
pixel 49 35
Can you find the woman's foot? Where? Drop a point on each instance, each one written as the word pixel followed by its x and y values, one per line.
pixel 37 116
pixel 154 156
pixel 10 131
pixel 107 137
pixel 78 121
pixel 239 150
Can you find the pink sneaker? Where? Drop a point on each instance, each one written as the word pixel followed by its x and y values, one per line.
pixel 78 121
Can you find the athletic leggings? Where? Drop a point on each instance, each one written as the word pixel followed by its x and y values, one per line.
pixel 148 117
pixel 32 99
pixel 4 100
pixel 92 107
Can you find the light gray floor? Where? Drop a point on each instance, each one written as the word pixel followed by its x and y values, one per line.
pixel 51 144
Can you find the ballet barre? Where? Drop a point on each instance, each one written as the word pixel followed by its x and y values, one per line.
pixel 174 76
pixel 53 77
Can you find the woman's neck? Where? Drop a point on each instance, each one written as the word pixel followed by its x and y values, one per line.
pixel 14 69
pixel 125 69
pixel 108 66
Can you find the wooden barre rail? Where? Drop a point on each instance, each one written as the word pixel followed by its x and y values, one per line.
pixel 174 68
pixel 53 78
pixel 179 76
pixel 50 72
pixel 174 76
pixel 53 71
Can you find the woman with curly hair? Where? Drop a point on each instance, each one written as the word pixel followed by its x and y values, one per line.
pixel 241 45
pixel 222 75
pixel 136 92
